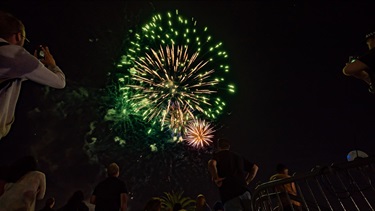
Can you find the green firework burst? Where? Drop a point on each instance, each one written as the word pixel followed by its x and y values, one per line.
pixel 177 72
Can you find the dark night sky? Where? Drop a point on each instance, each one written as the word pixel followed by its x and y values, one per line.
pixel 293 103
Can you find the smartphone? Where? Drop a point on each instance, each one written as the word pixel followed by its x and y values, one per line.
pixel 40 52
pixel 352 59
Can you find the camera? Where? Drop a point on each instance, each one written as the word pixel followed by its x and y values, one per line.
pixel 40 52
pixel 352 59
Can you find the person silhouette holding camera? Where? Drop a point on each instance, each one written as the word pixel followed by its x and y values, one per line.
pixel 18 65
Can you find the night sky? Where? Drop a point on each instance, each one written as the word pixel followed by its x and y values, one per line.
pixel 293 104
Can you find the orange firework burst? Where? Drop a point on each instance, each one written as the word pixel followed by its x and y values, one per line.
pixel 198 133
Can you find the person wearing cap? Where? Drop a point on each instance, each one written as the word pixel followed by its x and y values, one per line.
pixel 232 173
pixel 201 204
pixel 363 67
pixel 282 172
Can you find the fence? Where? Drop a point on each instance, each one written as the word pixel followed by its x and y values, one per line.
pixel 343 186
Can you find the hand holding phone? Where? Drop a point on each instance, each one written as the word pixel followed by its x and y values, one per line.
pixel 44 55
pixel 39 52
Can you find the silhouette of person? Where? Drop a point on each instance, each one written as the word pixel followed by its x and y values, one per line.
pixel 218 206
pixel 75 202
pixel 201 204
pixel 18 65
pixel 282 172
pixel 154 204
pixel 111 194
pixel 24 185
pixel 363 67
pixel 232 173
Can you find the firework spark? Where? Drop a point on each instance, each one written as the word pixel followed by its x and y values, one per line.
pixel 198 133
pixel 170 80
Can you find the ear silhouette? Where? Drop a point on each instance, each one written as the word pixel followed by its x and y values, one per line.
pixel 18 37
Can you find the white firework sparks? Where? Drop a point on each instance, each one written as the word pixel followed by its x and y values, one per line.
pixel 171 81
pixel 198 133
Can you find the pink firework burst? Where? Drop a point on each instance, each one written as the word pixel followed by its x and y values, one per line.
pixel 198 133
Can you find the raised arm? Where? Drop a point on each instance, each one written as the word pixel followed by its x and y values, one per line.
pixel 358 70
pixel 46 73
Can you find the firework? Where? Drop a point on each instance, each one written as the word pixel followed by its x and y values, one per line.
pixel 171 84
pixel 199 133
pixel 177 72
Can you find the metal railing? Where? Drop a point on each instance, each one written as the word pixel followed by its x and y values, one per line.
pixel 343 186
